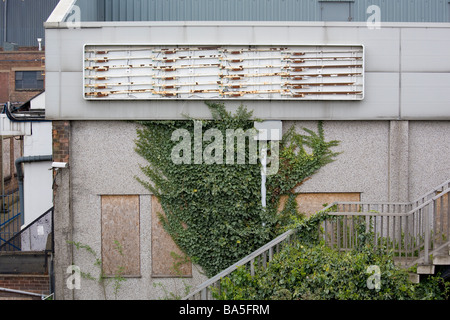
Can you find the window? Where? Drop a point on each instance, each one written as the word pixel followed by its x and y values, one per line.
pixel 29 80
pixel 335 10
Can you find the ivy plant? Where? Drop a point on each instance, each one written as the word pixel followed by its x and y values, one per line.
pixel 212 209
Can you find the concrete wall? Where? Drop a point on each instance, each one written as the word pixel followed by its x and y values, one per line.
pixel 406 68
pixel 429 145
pixel 375 156
pixel 103 162
pixel 384 160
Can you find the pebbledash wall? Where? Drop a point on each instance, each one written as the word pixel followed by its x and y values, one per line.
pixel 395 142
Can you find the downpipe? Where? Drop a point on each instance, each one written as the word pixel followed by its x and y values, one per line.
pixel 20 176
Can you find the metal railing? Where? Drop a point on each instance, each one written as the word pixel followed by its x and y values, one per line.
pixel 33 237
pixel 261 257
pixel 257 259
pixel 10 216
pixel 412 231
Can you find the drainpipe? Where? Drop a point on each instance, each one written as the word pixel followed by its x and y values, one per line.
pixel 5 26
pixel 19 170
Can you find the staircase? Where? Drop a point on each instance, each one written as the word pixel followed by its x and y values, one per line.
pixel 418 234
pixel 26 261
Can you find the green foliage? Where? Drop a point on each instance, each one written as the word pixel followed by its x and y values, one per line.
pixel 102 278
pixel 308 270
pixel 178 293
pixel 213 211
pixel 296 163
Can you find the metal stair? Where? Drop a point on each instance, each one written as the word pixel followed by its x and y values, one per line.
pixel 26 261
pixel 417 232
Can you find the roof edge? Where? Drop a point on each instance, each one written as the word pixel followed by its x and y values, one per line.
pixel 58 24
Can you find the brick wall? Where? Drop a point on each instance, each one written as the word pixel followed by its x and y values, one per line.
pixel 4 86
pixel 10 61
pixel 30 283
pixel 61 138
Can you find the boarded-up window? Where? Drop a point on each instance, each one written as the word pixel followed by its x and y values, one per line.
pixel 167 259
pixel 310 203
pixel 120 235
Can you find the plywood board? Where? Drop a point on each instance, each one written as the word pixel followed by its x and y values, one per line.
pixel 442 227
pixel 164 249
pixel 310 203
pixel 120 225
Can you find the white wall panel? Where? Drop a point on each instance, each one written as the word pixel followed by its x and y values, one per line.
pixel 425 95
pixel 425 49
pixel 422 47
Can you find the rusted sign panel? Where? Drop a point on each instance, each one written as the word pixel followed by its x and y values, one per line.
pixel 129 72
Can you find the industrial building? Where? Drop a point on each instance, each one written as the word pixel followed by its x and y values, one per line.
pixel 376 73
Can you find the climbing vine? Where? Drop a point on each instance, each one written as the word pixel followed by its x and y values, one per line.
pixel 212 208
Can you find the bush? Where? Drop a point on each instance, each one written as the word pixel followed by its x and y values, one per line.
pixel 319 273
pixel 309 270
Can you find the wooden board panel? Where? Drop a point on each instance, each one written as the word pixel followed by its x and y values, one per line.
pixel 310 203
pixel 120 225
pixel 164 249
pixel 442 227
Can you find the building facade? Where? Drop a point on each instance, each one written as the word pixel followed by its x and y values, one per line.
pixel 22 79
pixel 392 120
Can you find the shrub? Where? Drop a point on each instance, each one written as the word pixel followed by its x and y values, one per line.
pixel 309 270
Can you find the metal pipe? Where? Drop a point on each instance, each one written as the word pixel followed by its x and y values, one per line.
pixel 5 26
pixel 22 292
pixel 263 176
pixel 20 176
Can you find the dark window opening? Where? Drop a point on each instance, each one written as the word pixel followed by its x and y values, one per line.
pixel 29 80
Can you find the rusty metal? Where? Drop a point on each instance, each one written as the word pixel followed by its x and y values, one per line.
pixel 231 70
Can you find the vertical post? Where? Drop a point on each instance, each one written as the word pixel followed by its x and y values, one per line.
pixel 2 173
pixel 448 215
pixel 427 231
pixel 263 176
pixel 203 294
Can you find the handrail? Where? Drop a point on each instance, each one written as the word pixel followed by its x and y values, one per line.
pixel 203 288
pixel 443 192
pixel 9 242
pixel 424 253
pixel 244 260
pixel 22 292
pixel 268 246
pixel 432 191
